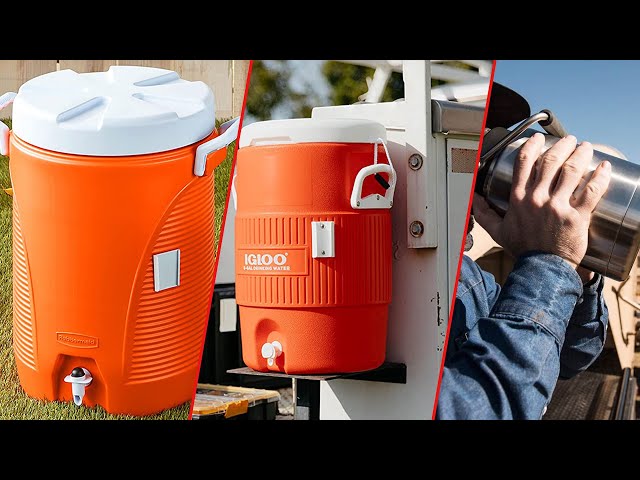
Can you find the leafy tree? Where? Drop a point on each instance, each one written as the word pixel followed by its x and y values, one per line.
pixel 270 89
pixel 349 81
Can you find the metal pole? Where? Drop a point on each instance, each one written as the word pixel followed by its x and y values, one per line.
pixel 307 394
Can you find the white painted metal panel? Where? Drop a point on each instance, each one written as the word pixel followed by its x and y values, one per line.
pixel 422 277
pixel 419 298
pixel 458 191
pixel 459 182
pixel 421 184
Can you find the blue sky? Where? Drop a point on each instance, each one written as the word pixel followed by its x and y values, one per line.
pixel 598 101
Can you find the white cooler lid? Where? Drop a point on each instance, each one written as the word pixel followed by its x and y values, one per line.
pixel 123 111
pixel 312 130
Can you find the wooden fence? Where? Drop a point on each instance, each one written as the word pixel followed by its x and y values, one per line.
pixel 227 78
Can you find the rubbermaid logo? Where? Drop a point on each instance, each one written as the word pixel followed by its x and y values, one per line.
pixel 266 262
pixel 76 340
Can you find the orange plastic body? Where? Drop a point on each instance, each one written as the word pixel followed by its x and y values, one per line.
pixel 84 231
pixel 329 314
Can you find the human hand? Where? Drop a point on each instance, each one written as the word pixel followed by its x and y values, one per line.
pixel 544 213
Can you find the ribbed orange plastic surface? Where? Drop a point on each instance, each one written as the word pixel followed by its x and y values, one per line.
pixel 170 324
pixel 357 276
pixel 23 328
pixel 329 314
pixel 89 227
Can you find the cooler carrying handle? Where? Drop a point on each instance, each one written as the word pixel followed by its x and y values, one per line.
pixel 5 101
pixel 234 194
pixel 228 133
pixel 374 200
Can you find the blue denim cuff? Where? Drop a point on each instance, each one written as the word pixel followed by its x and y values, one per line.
pixel 593 286
pixel 590 306
pixel 543 288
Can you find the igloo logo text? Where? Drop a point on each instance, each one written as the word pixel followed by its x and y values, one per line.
pixel 292 260
pixel 266 262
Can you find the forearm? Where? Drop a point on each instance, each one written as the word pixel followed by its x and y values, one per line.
pixel 509 365
pixel 586 332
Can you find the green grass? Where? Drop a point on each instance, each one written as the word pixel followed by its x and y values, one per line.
pixel 14 403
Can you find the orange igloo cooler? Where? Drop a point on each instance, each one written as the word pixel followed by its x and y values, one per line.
pixel 313 245
pixel 113 255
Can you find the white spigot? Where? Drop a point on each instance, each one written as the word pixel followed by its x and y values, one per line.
pixel 271 351
pixel 80 378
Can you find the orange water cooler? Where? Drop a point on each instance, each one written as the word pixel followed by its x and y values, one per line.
pixel 113 254
pixel 313 245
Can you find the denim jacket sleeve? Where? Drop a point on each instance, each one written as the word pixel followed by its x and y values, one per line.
pixel 587 330
pixel 508 364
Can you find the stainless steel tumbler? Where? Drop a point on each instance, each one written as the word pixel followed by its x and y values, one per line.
pixel 614 233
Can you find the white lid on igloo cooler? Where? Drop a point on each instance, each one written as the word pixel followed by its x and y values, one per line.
pixel 312 130
pixel 123 111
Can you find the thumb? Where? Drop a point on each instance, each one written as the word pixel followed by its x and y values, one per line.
pixel 487 217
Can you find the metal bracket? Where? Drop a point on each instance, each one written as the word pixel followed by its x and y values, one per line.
pixel 422 222
pixel 307 387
